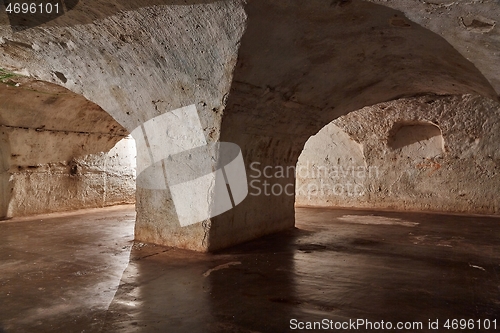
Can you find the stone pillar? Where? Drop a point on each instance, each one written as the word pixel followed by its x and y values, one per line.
pixel 266 76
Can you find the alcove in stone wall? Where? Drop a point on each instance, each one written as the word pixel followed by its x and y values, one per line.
pixel 416 140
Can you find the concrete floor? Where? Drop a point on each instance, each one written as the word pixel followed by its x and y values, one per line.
pixel 81 272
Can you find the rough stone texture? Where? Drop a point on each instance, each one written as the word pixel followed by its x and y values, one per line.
pixel 301 65
pixel 470 26
pixel 266 75
pixel 4 175
pixel 59 151
pixel 90 181
pixel 430 153
pixel 137 61
pixel 331 168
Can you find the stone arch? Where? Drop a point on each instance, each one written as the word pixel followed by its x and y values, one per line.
pixel 302 65
pixel 265 75
pixel 332 165
pixel 432 153
pixel 137 62
pixel 59 151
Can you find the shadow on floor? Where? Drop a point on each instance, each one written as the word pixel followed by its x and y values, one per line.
pixel 82 273
pixel 338 265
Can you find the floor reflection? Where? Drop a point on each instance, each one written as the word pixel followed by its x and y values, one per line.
pixel 66 275
pixel 60 272
pixel 338 265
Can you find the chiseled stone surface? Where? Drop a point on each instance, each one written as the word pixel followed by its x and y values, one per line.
pixel 301 65
pixel 137 61
pixel 264 74
pixel 470 26
pixel 364 159
pixel 91 181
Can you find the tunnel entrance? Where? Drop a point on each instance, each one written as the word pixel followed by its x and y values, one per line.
pixel 332 168
pixel 59 151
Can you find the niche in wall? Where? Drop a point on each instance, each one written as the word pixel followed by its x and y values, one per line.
pixel 417 140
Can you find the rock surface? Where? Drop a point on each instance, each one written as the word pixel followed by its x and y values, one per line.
pixel 59 151
pixel 265 75
pixel 430 153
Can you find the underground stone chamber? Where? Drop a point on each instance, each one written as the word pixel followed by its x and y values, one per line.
pixel 264 75
pixel 380 116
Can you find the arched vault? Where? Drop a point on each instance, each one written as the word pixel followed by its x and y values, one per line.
pixel 264 74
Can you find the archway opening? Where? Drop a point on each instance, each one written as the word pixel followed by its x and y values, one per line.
pixel 429 153
pixel 335 58
pixel 60 152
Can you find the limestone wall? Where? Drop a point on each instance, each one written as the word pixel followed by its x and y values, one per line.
pixel 91 181
pixel 430 153
pixel 263 74
pixel 59 152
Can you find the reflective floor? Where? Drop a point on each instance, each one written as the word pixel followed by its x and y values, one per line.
pixel 82 273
